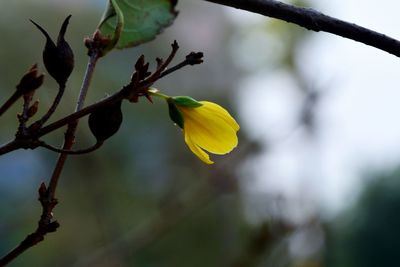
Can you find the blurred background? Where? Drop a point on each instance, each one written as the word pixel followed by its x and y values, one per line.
pixel 315 180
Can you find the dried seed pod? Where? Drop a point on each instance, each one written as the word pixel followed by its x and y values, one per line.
pixel 58 58
pixel 105 122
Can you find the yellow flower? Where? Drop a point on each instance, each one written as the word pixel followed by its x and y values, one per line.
pixel 208 127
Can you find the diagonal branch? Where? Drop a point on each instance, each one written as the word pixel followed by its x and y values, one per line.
pixel 316 21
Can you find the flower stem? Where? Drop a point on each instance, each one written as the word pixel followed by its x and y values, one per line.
pixel 155 92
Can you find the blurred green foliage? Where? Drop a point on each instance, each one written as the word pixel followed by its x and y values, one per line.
pixel 367 234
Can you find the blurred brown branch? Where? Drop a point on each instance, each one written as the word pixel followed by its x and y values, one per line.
pixel 316 21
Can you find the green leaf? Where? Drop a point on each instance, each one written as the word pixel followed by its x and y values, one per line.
pixel 143 20
pixel 186 101
pixel 175 114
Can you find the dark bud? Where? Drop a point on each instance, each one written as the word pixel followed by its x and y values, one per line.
pixel 105 122
pixel 32 110
pixel 98 44
pixel 175 45
pixel 58 58
pixel 30 81
pixel 139 63
pixel 42 190
pixel 195 58
pixel 159 62
pixel 53 226
pixel 141 70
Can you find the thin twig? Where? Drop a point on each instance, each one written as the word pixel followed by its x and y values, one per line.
pixel 72 152
pixel 191 59
pixel 316 21
pixel 53 107
pixel 162 65
pixel 70 134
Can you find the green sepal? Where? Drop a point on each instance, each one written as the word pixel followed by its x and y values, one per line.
pixel 174 113
pixel 186 101
pixel 112 10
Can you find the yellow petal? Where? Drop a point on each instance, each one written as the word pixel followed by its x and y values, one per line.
pixel 217 110
pixel 197 150
pixel 210 127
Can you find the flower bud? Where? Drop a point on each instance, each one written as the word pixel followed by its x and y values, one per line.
pixel 30 81
pixel 58 58
pixel 105 121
